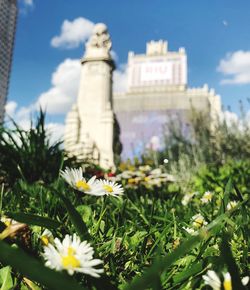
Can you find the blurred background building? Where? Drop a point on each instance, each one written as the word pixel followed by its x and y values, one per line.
pixel 157 93
pixel 8 17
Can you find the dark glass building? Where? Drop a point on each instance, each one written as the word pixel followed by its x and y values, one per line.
pixel 8 17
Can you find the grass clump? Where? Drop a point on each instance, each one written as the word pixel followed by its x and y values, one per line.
pixel 29 154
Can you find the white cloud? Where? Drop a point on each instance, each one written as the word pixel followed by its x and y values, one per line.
pixel 60 97
pixel 65 81
pixel 55 131
pixel 57 100
pixel 236 65
pixel 114 55
pixel 25 6
pixel 230 118
pixel 225 23
pixel 10 108
pixel 28 2
pixel 22 116
pixel 73 33
pixel 235 122
pixel 120 79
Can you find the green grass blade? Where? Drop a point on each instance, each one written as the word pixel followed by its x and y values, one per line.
pixel 227 256
pixel 162 264
pixel 191 271
pixel 35 270
pixel 226 196
pixel 31 219
pixel 75 217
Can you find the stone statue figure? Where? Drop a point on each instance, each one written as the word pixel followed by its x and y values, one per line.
pixel 99 43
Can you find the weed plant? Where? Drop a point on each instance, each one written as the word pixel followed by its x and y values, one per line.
pixel 29 154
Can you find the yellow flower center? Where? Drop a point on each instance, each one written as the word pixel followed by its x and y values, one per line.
pixel 108 188
pixel 70 260
pixel 82 185
pixel 146 178
pixel 208 196
pixel 198 222
pixel 45 240
pixel 131 180
pixel 227 285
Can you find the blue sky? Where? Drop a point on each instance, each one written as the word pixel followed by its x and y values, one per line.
pixel 215 34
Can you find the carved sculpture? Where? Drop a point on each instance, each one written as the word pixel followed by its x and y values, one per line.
pixel 99 44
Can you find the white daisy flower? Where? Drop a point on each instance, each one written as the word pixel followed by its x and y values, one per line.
pixel 139 174
pixel 156 172
pixel 212 279
pixel 155 182
pixel 198 221
pixel 74 177
pixel 245 280
pixel 73 256
pixel 111 188
pixel 227 283
pixel 47 237
pixel 145 168
pixel 207 197
pixel 187 198
pixel 231 204
pixel 126 174
pixel 7 221
pixel 190 231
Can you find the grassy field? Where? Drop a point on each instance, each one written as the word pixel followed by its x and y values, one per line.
pixel 176 221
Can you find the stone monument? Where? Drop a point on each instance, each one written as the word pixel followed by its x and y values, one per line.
pixel 89 132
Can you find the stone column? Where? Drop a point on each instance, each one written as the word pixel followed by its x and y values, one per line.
pixel 94 102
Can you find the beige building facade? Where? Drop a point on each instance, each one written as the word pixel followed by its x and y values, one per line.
pixel 157 91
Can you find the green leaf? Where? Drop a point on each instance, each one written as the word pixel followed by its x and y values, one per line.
pixel 31 219
pixel 85 211
pixel 33 269
pixel 6 282
pixel 137 238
